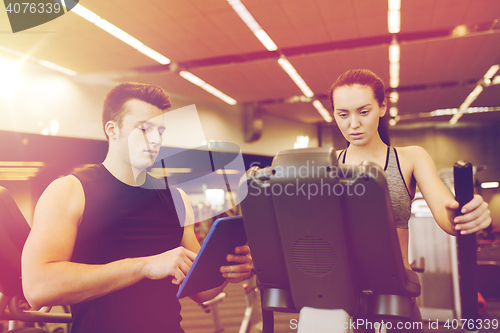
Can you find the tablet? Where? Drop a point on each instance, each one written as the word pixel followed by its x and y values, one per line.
pixel 226 234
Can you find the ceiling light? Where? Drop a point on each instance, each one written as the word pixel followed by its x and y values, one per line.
pixel 153 54
pixel 394 52
pixel 20 164
pixel 492 71
pixel 245 15
pixel 474 94
pixel 489 185
pixel 394 96
pixel 12 177
pixel 287 66
pixel 496 80
pixel 265 40
pixel 119 33
pixel 393 111
pixel 394 82
pixel 322 111
pixel 302 142
pixel 202 84
pixel 86 14
pixel 394 4
pixel 394 74
pixel 228 171
pixel 18 170
pixel 394 21
pixel 460 31
pixel 56 67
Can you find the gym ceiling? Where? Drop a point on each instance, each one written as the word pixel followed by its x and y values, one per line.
pixel 446 48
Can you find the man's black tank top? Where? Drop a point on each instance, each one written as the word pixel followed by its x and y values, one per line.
pixel 121 221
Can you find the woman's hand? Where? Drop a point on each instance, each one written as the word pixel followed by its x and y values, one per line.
pixel 476 215
pixel 241 271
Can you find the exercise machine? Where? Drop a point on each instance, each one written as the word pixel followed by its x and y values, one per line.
pixel 324 243
pixel 13 233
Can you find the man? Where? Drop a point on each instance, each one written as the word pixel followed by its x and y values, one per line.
pixel 108 240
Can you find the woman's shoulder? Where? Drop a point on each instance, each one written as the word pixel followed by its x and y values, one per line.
pixel 413 154
pixel 411 151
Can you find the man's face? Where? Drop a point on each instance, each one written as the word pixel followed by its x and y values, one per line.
pixel 141 133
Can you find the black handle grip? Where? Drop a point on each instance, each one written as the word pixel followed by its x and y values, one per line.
pixel 466 244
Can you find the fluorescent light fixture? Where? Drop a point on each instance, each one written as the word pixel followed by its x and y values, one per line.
pixel 13 177
pixel 119 33
pixel 460 31
pixel 496 80
pixel 474 94
pixel 393 111
pixel 394 52
pixel 489 185
pixel 287 66
pixel 86 14
pixel 322 111
pixel 394 21
pixel 492 71
pixel 228 172
pixel 20 164
pixel 394 96
pixel 471 97
pixel 56 67
pixel 245 15
pixel 302 142
pixel 153 54
pixel 394 4
pixel 265 40
pixel 394 74
pixel 394 82
pixel 202 84
pixel 448 112
pixel 19 170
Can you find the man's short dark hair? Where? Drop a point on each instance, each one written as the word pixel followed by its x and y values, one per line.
pixel 113 106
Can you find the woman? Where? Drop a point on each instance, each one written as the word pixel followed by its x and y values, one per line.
pixel 358 103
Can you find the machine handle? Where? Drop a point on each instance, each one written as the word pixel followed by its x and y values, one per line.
pixel 466 245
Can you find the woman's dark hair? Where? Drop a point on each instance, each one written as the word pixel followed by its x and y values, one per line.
pixel 113 106
pixel 366 77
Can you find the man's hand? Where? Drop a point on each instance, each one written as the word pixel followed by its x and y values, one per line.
pixel 476 215
pixel 241 271
pixel 175 263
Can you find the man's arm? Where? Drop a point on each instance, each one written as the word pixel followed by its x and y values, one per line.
pixel 49 278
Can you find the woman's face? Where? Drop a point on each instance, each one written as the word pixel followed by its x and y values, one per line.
pixel 357 113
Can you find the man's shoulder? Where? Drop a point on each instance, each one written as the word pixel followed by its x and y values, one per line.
pixel 90 173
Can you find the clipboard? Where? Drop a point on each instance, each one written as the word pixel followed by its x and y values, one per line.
pixel 226 234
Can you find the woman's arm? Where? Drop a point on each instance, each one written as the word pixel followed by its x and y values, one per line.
pixel 440 201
